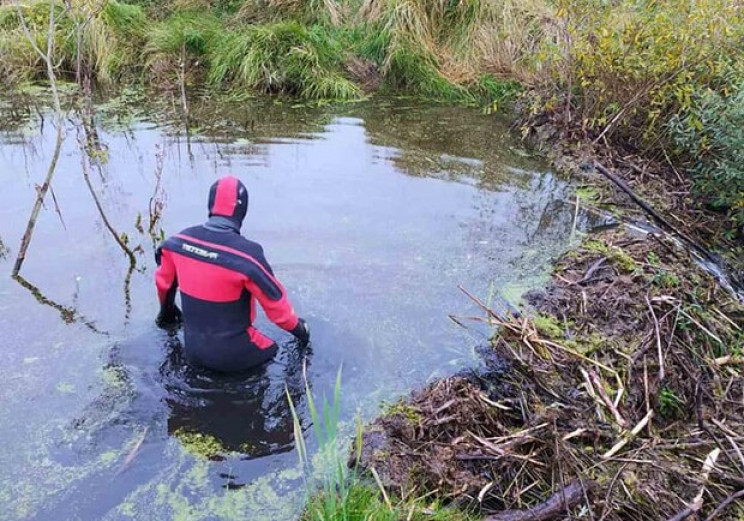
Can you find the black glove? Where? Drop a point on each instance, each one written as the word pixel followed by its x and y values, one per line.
pixel 301 332
pixel 169 317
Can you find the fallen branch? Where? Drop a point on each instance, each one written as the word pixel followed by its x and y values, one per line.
pixel 657 331
pixel 654 214
pixel 556 505
pixel 44 188
pixel 594 378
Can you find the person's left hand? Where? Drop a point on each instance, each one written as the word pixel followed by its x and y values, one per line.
pixel 169 317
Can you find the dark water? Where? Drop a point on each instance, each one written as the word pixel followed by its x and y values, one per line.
pixel 371 214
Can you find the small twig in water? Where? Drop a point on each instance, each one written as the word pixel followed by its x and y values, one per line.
pixel 133 453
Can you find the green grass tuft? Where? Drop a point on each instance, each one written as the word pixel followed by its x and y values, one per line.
pixel 282 58
pixel 190 31
pixel 113 41
pixel 414 70
pixel 336 493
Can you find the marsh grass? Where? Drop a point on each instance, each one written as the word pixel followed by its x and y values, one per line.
pixel 331 12
pixel 461 40
pixel 179 45
pixel 300 48
pixel 111 38
pixel 18 60
pixel 190 30
pixel 282 58
pixel 328 479
pixel 339 493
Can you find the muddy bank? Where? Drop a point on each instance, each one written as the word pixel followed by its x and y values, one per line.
pixel 624 390
pixel 653 176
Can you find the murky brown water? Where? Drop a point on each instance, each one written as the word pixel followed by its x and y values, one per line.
pixel 371 214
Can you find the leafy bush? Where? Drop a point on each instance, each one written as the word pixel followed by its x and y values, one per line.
pixel 710 135
pixel 633 63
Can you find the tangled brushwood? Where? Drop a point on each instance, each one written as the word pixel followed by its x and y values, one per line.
pixel 622 398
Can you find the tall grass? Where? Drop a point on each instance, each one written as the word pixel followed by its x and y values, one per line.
pixel 113 40
pixel 191 31
pixel 18 60
pixel 179 44
pixel 457 41
pixel 330 12
pixel 333 484
pixel 300 48
pixel 110 36
pixel 282 58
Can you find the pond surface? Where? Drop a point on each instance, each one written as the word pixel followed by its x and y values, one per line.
pixel 371 214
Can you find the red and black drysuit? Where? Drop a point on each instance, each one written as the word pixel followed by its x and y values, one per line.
pixel 221 275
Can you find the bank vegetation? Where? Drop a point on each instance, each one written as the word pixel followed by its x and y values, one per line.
pixel 659 78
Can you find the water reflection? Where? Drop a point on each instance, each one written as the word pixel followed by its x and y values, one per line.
pixel 4 251
pixel 68 314
pixel 248 413
pixel 371 213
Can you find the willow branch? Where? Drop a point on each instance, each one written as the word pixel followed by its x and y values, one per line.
pixel 44 188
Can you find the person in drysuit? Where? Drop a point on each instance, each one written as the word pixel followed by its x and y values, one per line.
pixel 221 275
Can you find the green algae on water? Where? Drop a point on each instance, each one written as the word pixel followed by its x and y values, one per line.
pixel 201 445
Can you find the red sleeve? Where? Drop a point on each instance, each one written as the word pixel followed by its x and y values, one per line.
pixel 278 310
pixel 165 276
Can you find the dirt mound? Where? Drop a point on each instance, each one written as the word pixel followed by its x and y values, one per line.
pixel 625 390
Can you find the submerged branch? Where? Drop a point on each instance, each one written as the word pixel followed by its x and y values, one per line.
pixel 84 156
pixel 86 175
pixel 68 314
pixel 157 200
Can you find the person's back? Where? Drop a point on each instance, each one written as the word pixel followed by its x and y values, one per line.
pixel 221 275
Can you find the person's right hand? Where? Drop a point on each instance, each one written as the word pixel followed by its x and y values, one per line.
pixel 169 317
pixel 301 332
